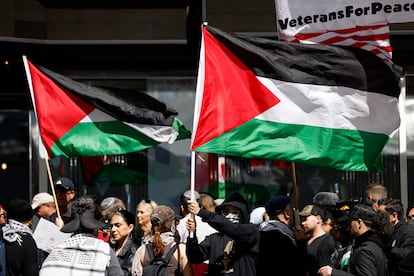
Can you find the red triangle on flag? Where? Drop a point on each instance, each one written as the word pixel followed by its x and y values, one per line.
pixel 232 94
pixel 57 110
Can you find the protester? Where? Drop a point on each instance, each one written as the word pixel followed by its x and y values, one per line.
pixel 163 238
pixel 409 216
pixel 3 221
pixel 21 249
pixel 83 253
pixel 143 212
pixel 327 201
pixel 320 244
pixel 406 266
pixel 235 247
pixel 340 258
pixel 109 206
pixel 368 255
pixel 402 239
pixel 258 215
pixel 207 202
pixel 65 194
pixel 282 249
pixel 203 228
pixel 375 192
pixel 44 207
pixel 122 226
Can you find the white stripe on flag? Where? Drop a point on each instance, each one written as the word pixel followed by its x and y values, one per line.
pixel 331 107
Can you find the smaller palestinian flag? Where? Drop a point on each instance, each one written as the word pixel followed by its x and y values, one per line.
pixel 76 119
pixel 322 105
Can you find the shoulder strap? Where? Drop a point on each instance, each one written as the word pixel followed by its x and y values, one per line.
pixel 150 251
pixel 170 253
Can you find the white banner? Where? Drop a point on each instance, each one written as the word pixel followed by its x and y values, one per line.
pixel 299 16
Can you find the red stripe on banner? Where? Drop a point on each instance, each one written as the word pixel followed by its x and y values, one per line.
pixel 376 36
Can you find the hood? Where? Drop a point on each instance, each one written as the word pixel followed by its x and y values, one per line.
pixel 238 201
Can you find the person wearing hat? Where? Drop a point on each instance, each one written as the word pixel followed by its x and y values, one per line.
pixel 368 255
pixel 44 206
pixel 234 247
pixel 163 239
pixel 21 249
pixel 83 253
pixel 65 194
pixel 203 228
pixel 320 244
pixel 282 247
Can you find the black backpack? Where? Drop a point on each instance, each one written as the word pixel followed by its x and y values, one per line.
pixel 158 265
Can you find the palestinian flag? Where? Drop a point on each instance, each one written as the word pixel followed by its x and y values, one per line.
pixel 321 105
pixel 76 119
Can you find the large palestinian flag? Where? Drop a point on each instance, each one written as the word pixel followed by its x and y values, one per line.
pixel 76 119
pixel 322 105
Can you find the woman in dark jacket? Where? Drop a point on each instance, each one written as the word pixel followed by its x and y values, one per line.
pixel 122 226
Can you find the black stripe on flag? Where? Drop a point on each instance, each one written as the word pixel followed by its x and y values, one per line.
pixel 316 64
pixel 125 105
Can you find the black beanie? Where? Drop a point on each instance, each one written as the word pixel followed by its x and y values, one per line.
pixel 20 210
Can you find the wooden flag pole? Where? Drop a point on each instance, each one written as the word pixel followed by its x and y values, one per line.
pixel 295 196
pixel 52 187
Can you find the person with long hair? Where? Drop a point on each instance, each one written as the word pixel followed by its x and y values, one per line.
pixel 143 213
pixel 163 238
pixel 122 225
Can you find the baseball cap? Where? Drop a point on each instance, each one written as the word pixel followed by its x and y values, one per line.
pixel 312 210
pixel 41 198
pixel 65 183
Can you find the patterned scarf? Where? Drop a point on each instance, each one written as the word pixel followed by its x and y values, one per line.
pixel 12 231
pixel 279 226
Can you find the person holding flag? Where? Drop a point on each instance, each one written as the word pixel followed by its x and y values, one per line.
pixel 235 247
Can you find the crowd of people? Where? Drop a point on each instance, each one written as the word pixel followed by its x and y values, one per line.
pixel 369 236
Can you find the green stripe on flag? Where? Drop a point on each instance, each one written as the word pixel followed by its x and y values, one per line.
pixel 305 144
pixel 99 138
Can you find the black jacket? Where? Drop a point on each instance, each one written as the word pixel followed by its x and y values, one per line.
pixel 367 258
pixel 279 252
pixel 126 256
pixel 243 257
pixel 22 256
pixel 401 243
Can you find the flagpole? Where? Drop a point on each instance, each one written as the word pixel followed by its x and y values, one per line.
pixel 295 196
pixel 192 186
pixel 52 187
pixel 41 145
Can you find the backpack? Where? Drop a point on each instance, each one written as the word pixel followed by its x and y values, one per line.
pixel 158 265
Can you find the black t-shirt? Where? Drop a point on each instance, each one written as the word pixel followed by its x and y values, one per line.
pixel 319 253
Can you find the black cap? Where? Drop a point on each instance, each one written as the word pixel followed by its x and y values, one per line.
pixel 65 183
pixel 276 205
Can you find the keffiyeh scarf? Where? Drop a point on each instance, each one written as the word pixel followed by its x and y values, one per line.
pixel 12 231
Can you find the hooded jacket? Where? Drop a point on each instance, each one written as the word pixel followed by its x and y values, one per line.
pixel 367 257
pixel 245 236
